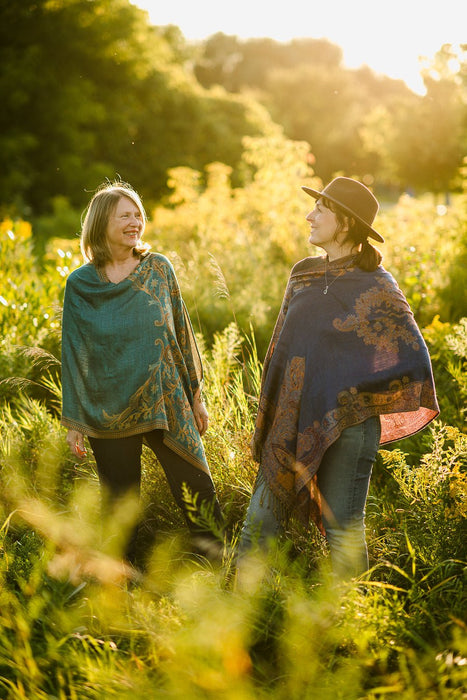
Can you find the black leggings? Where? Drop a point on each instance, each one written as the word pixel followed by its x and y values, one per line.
pixel 119 467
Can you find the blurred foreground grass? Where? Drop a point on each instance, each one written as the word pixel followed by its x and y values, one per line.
pixel 76 623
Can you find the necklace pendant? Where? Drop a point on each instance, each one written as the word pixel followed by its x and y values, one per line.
pixel 325 290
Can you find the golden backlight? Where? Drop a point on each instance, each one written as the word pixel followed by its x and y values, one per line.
pixel 389 37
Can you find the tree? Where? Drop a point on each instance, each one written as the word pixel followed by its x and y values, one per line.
pixel 428 136
pixel 240 65
pixel 64 65
pixel 90 90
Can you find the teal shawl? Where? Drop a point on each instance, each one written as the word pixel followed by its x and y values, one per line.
pixel 130 363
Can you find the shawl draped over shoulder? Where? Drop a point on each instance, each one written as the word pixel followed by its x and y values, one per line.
pixel 335 360
pixel 130 363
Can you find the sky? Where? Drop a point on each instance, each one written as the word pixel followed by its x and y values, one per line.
pixel 388 36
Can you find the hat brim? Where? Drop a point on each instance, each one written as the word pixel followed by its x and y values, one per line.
pixel 371 231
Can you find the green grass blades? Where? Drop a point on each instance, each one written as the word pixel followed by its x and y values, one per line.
pixel 77 623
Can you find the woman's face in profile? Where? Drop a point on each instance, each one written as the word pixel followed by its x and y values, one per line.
pixel 323 225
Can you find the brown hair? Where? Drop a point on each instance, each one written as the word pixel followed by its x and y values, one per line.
pixel 369 257
pixel 94 246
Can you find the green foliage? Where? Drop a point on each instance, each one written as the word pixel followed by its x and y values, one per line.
pixel 29 306
pixel 457 342
pixel 75 622
pixel 431 498
pixel 421 241
pixel 448 353
pixel 419 141
pixel 453 296
pixel 356 122
pixel 234 247
pixel 92 89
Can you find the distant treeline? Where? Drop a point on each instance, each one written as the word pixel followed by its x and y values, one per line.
pixel 91 90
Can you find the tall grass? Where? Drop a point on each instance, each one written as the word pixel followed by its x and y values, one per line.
pixel 76 623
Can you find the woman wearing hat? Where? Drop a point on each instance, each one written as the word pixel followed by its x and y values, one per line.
pixel 346 370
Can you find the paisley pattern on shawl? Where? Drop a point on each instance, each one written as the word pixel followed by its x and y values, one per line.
pixel 335 360
pixel 130 363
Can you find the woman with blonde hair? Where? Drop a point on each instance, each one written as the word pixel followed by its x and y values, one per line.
pixel 131 370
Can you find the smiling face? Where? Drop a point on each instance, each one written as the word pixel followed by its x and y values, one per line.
pixel 125 226
pixel 327 233
pixel 323 224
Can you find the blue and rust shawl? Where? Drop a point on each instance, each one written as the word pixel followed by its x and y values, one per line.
pixel 130 363
pixel 335 360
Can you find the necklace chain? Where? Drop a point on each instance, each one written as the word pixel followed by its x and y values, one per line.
pixel 326 288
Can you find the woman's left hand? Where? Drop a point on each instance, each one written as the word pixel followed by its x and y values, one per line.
pixel 200 413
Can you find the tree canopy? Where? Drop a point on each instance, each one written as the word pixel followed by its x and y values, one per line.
pixel 91 90
pixel 418 144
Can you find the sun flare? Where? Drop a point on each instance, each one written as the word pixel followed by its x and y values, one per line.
pixel 389 38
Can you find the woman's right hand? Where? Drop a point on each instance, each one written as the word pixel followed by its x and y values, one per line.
pixel 75 441
pixel 200 412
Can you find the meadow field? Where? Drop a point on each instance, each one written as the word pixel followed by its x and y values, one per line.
pixel 76 623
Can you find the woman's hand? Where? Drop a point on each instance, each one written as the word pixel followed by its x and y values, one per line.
pixel 75 441
pixel 200 413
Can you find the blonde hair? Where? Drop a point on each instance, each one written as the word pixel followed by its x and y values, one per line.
pixel 93 243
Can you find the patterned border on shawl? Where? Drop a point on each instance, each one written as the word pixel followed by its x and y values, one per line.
pixel 293 481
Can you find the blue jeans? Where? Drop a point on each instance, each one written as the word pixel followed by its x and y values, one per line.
pixel 343 481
